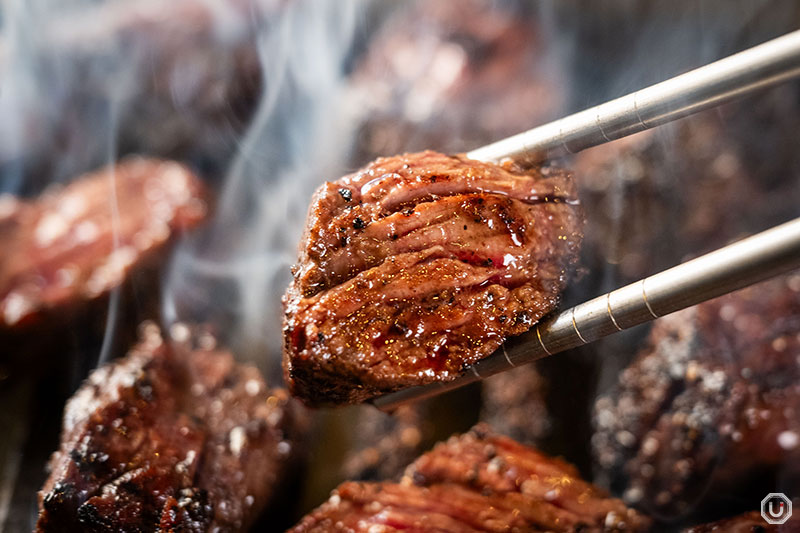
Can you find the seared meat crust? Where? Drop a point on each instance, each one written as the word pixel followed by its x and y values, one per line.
pixel 476 482
pixel 419 265
pixel 710 402
pixel 169 438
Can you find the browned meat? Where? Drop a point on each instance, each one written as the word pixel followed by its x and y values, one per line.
pixel 454 76
pixel 173 437
pixel 419 265
pixel 74 244
pixel 691 186
pixel 514 404
pixel 477 482
pixel 709 404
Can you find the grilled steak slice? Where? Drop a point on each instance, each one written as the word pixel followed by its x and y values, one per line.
pixel 710 402
pixel 419 265
pixel 73 245
pixel 171 437
pixel 476 482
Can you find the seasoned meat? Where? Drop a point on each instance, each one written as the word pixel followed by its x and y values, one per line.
pixel 74 244
pixel 514 404
pixel 455 76
pixel 479 481
pixel 710 403
pixel 421 264
pixel 172 437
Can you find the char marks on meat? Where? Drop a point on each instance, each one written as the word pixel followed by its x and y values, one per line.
pixel 172 437
pixel 710 403
pixel 419 265
pixel 476 482
pixel 76 243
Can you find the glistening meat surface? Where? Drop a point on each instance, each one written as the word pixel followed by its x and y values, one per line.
pixel 479 481
pixel 170 438
pixel 708 410
pixel 419 265
pixel 74 244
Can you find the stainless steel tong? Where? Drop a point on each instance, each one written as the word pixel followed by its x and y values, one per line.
pixel 738 265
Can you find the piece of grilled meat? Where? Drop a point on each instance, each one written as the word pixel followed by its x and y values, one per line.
pixel 173 437
pixel 479 481
pixel 419 265
pixel 710 402
pixel 453 76
pixel 72 245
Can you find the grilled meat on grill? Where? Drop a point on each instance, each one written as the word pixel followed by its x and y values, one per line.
pixel 419 265
pixel 454 76
pixel 170 438
pixel 479 481
pixel 73 245
pixel 76 243
pixel 711 402
pixel 64 252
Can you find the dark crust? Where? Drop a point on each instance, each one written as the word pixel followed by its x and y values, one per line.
pixel 171 437
pixel 432 262
pixel 710 402
pixel 476 482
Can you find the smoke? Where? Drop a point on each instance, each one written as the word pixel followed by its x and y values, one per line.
pixel 233 273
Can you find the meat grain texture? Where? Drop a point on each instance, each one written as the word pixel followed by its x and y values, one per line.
pixel 479 481
pixel 710 405
pixel 419 265
pixel 172 437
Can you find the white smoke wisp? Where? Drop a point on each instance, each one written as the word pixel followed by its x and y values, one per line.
pixel 234 273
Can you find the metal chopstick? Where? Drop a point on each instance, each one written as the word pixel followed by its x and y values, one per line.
pixel 759 67
pixel 735 266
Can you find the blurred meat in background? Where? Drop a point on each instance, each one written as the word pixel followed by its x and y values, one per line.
pixel 96 81
pixel 709 412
